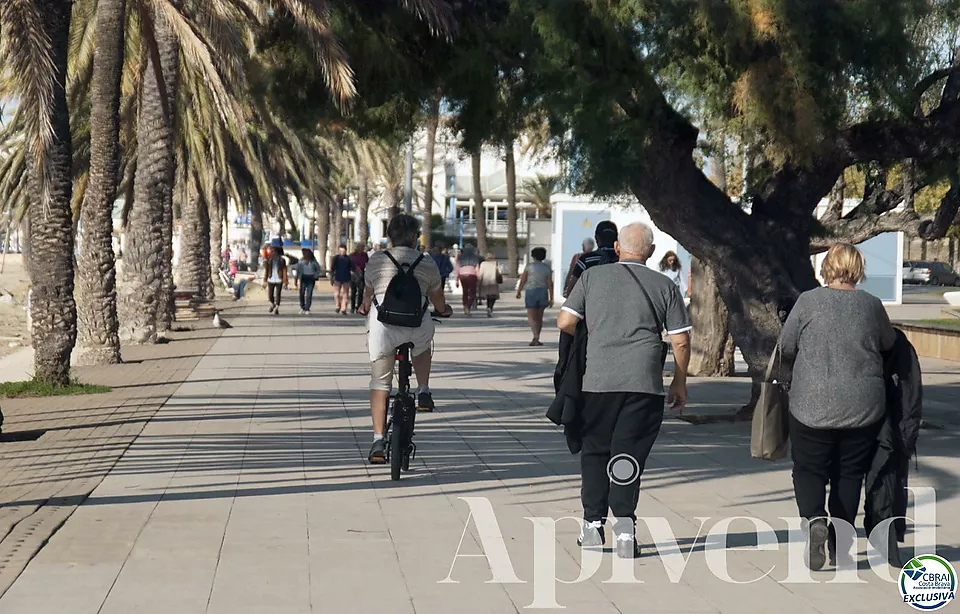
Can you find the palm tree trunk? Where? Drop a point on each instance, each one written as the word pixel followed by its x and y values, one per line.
pixel 286 212
pixel 511 172
pixel 336 224
pixel 203 264
pixel 433 122
pixel 363 210
pixel 480 213
pixel 146 259
pixel 52 306
pixel 215 238
pixel 99 340
pixel 193 263
pixel 170 61
pixel 323 230
pixel 256 230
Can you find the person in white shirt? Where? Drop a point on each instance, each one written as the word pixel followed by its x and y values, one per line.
pixel 670 266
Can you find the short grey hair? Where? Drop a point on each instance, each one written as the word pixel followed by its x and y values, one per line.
pixel 636 238
pixel 589 245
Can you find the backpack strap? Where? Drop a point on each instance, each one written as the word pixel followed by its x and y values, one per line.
pixel 392 259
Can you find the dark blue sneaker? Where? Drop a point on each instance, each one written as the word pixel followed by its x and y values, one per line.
pixel 425 402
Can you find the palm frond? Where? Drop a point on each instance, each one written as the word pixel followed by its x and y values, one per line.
pixel 28 70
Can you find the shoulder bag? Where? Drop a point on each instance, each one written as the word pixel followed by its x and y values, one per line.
pixel 770 431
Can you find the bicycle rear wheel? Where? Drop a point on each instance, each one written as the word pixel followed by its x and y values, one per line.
pixel 396 448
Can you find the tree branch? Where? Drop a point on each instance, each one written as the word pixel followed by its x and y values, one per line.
pixel 859 229
pixel 946 216
pixel 930 80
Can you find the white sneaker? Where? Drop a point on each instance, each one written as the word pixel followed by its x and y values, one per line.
pixel 302 312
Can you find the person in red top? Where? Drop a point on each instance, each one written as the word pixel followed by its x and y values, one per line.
pixel 357 283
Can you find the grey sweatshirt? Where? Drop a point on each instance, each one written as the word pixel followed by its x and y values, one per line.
pixel 835 338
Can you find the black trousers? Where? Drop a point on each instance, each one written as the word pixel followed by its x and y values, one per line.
pixel 623 424
pixel 356 292
pixel 274 291
pixel 306 292
pixel 838 457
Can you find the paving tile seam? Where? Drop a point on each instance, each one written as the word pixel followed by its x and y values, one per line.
pixel 146 521
pixel 509 489
pixel 226 524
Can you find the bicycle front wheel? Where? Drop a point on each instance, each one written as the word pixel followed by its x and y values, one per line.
pixel 396 448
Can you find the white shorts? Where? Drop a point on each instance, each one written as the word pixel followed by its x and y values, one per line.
pixel 383 341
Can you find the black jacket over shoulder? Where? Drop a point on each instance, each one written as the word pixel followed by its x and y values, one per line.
pixel 886 482
pixel 567 407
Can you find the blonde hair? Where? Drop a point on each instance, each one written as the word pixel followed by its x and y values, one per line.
pixel 844 264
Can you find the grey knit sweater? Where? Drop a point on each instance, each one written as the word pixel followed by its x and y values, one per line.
pixel 835 338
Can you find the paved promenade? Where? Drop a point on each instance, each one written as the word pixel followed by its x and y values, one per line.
pixel 241 487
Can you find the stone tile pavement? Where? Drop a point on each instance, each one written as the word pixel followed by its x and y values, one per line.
pixel 247 491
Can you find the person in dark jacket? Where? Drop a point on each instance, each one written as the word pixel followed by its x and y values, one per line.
pixel 886 483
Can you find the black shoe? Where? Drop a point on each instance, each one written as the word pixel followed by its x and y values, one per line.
pixel 425 402
pixel 627 546
pixel 817 538
pixel 378 452
pixel 591 534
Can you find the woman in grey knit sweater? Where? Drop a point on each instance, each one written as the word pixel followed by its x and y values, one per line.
pixel 834 336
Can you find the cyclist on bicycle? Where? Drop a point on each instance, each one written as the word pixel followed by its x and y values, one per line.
pixel 383 339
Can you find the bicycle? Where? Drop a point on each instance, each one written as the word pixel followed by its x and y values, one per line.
pixel 401 418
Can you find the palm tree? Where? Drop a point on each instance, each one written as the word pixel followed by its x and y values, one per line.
pixel 34 43
pixel 433 122
pixel 511 176
pixel 144 302
pixel 480 212
pixel 99 340
pixel 540 192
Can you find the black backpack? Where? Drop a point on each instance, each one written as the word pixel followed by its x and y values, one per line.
pixel 403 303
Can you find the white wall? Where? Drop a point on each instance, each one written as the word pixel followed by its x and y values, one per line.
pixel 567 241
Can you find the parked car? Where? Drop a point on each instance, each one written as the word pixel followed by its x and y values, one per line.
pixel 930 272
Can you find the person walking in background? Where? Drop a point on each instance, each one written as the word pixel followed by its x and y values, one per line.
pixel 308 270
pixel 670 266
pixel 444 265
pixel 626 308
pixel 360 260
pixel 341 274
pixel 571 279
pixel 606 236
pixel 489 279
pixel 275 275
pixel 537 280
pixel 468 265
pixel 834 335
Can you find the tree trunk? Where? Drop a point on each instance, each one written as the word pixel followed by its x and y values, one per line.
pixel 480 213
pixel 363 210
pixel 216 213
pixel 323 232
pixel 285 211
pixel 99 340
pixel 391 196
pixel 761 262
pixel 923 249
pixel 53 310
pixel 336 226
pixel 170 61
pixel 513 261
pixel 146 255
pixel 256 230
pixel 433 123
pixel 208 290
pixel 194 252
pixel 711 341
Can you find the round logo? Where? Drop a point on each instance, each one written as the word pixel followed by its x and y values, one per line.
pixel 623 469
pixel 928 582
